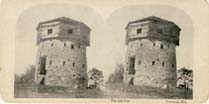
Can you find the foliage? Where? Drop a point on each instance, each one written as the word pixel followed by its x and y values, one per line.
pixel 117 76
pixel 95 77
pixel 27 78
pixel 79 80
pixel 185 78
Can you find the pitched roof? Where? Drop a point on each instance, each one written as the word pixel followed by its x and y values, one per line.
pixel 153 18
pixel 65 20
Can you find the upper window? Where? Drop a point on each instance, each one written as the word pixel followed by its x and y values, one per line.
pixel 50 31
pixel 139 62
pixel 161 46
pixel 154 44
pixel 153 62
pixel 162 63
pixel 70 31
pixel 72 46
pixel 139 30
pixel 63 63
pixel 50 62
pixel 141 44
pixel 173 65
pixel 73 64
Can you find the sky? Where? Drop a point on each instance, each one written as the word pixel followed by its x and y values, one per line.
pixel 107 37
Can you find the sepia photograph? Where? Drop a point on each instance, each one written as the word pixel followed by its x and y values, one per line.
pixel 112 51
pixel 71 51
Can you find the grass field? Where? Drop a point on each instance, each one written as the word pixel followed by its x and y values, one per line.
pixel 114 91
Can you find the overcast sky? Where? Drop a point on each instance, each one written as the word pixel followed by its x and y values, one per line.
pixel 107 42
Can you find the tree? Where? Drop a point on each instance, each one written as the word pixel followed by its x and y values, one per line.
pixel 185 78
pixel 95 77
pixel 117 76
pixel 30 74
pixel 110 79
pixel 17 79
pixel 27 78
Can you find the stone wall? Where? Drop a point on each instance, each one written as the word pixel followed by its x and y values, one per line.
pixel 155 62
pixel 62 62
pixel 65 54
pixel 151 43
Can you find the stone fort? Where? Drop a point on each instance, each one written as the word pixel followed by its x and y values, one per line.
pixel 61 56
pixel 151 53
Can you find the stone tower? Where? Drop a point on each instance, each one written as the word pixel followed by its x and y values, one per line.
pixel 61 56
pixel 151 53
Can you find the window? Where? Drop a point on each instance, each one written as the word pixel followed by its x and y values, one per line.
pixel 70 31
pixel 162 63
pixel 139 62
pixel 138 31
pixel 72 46
pixel 141 44
pixel 64 44
pixel 160 31
pixel 79 46
pixel 49 31
pixel 52 44
pixel 153 62
pixel 73 64
pixel 63 63
pixel 154 44
pixel 83 65
pixel 172 65
pixel 161 46
pixel 168 46
pixel 50 62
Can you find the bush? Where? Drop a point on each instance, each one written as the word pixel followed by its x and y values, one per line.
pixel 27 78
pixel 95 77
pixel 185 78
pixel 117 76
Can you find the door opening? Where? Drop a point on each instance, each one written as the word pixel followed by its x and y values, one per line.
pixel 132 66
pixel 131 82
pixel 42 81
pixel 43 65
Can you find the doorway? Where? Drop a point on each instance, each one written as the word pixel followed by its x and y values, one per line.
pixel 132 65
pixel 43 65
pixel 131 82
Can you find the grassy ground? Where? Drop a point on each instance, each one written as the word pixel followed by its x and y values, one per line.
pixel 113 91
pixel 152 92
pixel 54 92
